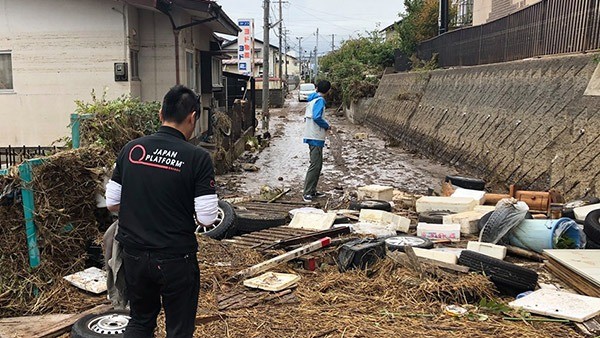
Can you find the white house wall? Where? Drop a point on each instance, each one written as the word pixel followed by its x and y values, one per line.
pixel 61 51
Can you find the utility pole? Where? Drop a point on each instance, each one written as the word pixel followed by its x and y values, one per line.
pixel 285 42
pixel 300 55
pixel 266 54
pixel 316 56
pixel 280 44
pixel 332 42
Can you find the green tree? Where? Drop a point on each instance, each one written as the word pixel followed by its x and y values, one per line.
pixel 419 23
pixel 355 68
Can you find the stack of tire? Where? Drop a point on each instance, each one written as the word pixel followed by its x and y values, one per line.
pixel 591 228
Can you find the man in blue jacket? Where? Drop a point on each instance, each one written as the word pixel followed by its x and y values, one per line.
pixel 315 131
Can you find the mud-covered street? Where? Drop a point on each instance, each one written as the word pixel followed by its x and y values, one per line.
pixel 350 160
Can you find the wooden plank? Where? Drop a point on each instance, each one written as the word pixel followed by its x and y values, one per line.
pixel 572 279
pixel 583 262
pixel 65 325
pixel 17 327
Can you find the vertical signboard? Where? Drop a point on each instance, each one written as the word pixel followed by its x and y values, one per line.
pixel 246 46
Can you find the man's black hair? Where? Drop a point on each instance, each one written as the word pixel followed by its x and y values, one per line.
pixel 178 103
pixel 323 86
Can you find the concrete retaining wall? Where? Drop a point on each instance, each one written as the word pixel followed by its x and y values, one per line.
pixel 525 122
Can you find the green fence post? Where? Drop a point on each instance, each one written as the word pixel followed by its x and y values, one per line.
pixel 75 136
pixel 75 128
pixel 25 171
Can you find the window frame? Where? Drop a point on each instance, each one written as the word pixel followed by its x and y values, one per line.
pixel 11 74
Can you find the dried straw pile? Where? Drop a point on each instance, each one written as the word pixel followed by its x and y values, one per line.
pixel 391 301
pixel 65 187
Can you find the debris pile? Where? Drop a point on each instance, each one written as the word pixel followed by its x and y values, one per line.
pixel 65 188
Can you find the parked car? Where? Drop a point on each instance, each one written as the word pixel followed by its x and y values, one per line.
pixel 305 90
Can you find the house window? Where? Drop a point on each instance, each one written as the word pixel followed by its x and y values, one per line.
pixel 217 72
pixel 134 64
pixel 6 76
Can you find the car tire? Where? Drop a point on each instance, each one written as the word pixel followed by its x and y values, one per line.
pixel 592 245
pixel 591 226
pixel 109 324
pixel 503 274
pixel 224 226
pixel 434 217
pixel 371 204
pixel 397 243
pixel 251 221
pixel 466 182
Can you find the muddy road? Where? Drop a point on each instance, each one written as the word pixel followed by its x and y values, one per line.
pixel 348 161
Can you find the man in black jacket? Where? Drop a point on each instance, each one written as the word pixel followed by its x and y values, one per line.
pixel 159 183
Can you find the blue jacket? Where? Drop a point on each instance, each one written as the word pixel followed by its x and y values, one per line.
pixel 316 126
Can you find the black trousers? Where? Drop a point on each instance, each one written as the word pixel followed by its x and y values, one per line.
pixel 153 277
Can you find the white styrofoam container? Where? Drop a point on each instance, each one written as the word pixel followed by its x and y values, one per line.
pixel 484 208
pixel 439 231
pixel 446 257
pixel 395 222
pixel 468 221
pixel 489 249
pixel 582 212
pixel 453 204
pixel 376 192
pixel 477 195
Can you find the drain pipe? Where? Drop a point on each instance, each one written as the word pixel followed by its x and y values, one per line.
pixel 177 30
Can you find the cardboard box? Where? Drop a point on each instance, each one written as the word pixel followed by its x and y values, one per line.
pixel 439 231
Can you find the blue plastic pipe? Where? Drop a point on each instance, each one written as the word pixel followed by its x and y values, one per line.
pixel 75 136
pixel 25 171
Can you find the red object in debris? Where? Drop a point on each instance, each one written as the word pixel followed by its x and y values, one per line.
pixel 325 241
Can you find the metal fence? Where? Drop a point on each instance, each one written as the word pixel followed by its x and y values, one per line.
pixel 546 28
pixel 11 156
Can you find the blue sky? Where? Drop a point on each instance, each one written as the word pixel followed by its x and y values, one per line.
pixel 342 18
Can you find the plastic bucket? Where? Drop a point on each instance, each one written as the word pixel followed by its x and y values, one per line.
pixel 538 234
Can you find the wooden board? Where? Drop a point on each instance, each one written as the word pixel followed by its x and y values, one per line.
pixel 585 263
pixel 571 278
pixel 25 327
pixel 559 304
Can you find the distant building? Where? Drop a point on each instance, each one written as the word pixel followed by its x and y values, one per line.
pixel 55 52
pixel 390 31
pixel 485 11
pixel 231 64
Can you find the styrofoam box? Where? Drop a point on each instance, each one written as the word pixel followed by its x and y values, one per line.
pixel 453 204
pixel 395 222
pixel 446 257
pixel 439 231
pixel 489 249
pixel 477 195
pixel 376 192
pixel 468 221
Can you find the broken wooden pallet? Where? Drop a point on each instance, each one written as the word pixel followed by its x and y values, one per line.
pixel 263 239
pixel 240 299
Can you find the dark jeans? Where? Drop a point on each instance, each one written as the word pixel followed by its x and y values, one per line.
pixel 314 170
pixel 152 277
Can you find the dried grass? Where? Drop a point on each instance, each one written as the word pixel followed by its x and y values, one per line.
pixel 65 187
pixel 389 301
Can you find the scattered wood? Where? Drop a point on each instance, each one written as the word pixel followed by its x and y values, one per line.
pixel 279 196
pixel 28 326
pixel 442 265
pixel 531 255
pixel 65 325
pixel 240 299
pixel 413 259
pixel 288 256
pixel 201 320
pixel 571 278
pixel 590 327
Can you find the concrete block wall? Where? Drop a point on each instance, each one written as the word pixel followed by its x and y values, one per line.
pixel 524 122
